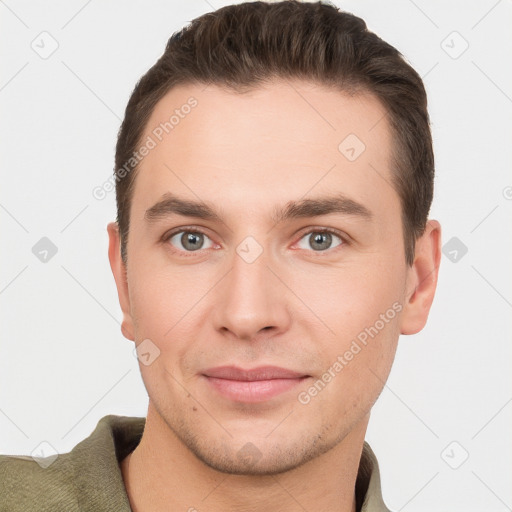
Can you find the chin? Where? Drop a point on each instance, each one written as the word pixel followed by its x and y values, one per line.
pixel 257 456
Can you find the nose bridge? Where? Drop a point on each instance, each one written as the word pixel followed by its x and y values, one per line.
pixel 251 297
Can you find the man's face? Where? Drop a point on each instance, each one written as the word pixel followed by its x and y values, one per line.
pixel 249 290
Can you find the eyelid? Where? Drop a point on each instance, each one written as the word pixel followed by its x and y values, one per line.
pixel 175 231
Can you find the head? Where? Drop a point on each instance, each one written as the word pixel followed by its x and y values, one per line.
pixel 303 141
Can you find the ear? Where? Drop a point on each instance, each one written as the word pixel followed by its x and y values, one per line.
pixel 119 271
pixel 422 280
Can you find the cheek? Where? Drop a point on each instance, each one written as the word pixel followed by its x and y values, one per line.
pixel 361 308
pixel 354 375
pixel 162 299
pixel 348 299
pixel 166 308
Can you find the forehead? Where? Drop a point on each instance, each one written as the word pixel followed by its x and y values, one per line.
pixel 281 139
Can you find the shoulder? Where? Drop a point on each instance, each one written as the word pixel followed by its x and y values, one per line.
pixel 25 483
pixel 86 478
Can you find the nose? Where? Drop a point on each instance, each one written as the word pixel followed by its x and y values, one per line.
pixel 251 300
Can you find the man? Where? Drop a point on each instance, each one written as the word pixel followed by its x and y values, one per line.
pixel 274 174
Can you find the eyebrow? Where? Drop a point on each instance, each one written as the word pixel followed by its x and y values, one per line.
pixel 171 204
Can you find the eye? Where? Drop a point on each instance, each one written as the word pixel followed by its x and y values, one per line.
pixel 193 240
pixel 189 240
pixel 320 240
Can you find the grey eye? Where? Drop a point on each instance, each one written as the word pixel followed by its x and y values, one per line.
pixel 319 241
pixel 190 240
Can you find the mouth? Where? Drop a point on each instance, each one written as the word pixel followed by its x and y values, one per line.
pixel 252 385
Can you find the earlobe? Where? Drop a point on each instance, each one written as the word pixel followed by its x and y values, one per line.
pixel 422 280
pixel 119 272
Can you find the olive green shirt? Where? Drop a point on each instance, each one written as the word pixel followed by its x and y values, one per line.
pixel 89 478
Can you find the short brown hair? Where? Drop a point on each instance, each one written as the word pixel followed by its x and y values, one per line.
pixel 241 46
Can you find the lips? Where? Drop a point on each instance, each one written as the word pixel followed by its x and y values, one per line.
pixel 260 373
pixel 252 385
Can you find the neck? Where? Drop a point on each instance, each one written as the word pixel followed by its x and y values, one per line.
pixel 161 474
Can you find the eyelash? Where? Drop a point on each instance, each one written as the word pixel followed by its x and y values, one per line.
pixel 194 230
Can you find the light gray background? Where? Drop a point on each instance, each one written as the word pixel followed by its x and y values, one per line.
pixel 63 361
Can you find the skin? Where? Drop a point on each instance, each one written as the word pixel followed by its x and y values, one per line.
pixel 294 306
